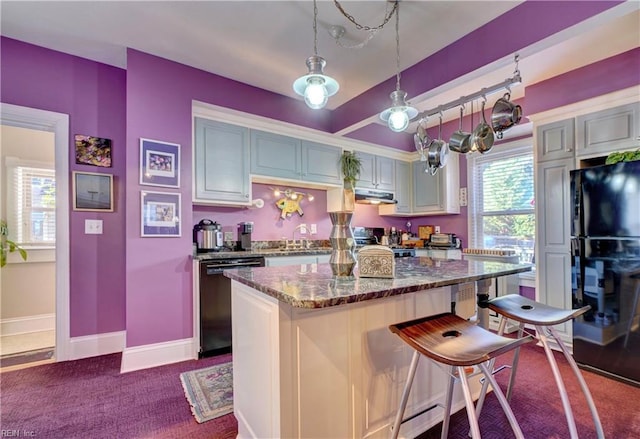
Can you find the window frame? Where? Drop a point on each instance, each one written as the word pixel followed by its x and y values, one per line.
pixel 499 152
pixel 12 164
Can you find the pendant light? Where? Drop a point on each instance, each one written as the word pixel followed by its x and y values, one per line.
pixel 400 113
pixel 316 87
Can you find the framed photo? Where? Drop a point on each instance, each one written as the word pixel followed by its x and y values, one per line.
pixel 94 151
pixel 160 214
pixel 92 192
pixel 159 163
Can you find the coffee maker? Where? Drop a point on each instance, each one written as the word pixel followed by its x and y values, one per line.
pixel 244 235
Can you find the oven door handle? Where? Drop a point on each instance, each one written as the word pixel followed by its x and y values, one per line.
pixel 219 268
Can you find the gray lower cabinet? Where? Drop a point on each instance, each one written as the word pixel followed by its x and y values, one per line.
pixel 278 261
pixel 377 172
pixel 555 141
pixel 275 155
pixel 606 131
pixel 221 163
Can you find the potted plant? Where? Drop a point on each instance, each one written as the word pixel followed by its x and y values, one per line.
pixel 8 246
pixel 351 167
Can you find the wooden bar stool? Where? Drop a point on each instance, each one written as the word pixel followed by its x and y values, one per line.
pixel 451 340
pixel 542 317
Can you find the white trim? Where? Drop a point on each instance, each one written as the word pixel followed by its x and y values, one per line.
pixel 158 354
pixel 28 324
pixel 57 123
pixel 34 254
pixel 227 115
pixel 94 345
pixel 528 279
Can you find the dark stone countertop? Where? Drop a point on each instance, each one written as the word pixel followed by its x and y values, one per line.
pixel 266 252
pixel 314 286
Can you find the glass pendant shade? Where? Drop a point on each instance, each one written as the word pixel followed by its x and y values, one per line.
pixel 316 87
pixel 400 113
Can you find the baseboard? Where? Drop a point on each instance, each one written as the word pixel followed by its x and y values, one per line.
pixel 25 325
pixel 158 354
pixel 95 345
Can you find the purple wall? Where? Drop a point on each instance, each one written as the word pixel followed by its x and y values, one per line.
pixel 93 95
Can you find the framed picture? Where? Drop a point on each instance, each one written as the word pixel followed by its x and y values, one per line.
pixel 159 163
pixel 160 214
pixel 92 192
pixel 94 151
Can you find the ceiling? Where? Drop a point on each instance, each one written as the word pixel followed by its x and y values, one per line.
pixel 266 43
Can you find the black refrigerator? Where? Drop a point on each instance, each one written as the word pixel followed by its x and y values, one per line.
pixel 605 271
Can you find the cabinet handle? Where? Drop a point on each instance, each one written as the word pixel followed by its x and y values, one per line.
pixel 246 195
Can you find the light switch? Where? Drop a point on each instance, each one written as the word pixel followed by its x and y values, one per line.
pixel 463 196
pixel 93 227
pixel 314 229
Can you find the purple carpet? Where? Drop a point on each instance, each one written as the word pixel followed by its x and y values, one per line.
pixel 91 399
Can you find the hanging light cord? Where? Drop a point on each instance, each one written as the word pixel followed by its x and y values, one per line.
pixel 315 28
pixel 397 46
pixel 363 27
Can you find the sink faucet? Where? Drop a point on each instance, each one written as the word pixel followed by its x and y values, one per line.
pixel 293 237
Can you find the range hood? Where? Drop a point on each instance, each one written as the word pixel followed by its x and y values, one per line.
pixel 371 196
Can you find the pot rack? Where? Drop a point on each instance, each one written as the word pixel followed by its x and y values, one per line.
pixel 482 93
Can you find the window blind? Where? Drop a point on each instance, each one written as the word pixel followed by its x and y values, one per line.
pixel 501 201
pixel 34 205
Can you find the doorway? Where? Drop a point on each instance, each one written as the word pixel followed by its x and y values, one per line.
pixel 58 125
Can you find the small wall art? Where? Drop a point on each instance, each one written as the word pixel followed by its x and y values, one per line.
pixel 94 151
pixel 92 192
pixel 160 214
pixel 159 163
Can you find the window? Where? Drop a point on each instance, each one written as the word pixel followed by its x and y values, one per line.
pixel 32 202
pixel 501 203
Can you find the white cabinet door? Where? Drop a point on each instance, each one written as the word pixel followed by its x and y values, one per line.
pixel 553 233
pixel 221 163
pixel 614 129
pixel 555 140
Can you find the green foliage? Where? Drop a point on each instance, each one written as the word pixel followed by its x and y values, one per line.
pixel 627 156
pixel 7 246
pixel 509 195
pixel 351 167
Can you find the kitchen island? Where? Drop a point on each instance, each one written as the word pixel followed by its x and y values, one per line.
pixel 313 355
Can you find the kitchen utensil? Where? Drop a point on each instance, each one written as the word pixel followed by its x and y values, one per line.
pixel 438 152
pixel 505 114
pixel 482 136
pixel 460 141
pixel 207 236
pixel 422 140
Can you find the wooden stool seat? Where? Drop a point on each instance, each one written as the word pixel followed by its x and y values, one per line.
pixel 543 318
pixel 451 340
pixel 528 311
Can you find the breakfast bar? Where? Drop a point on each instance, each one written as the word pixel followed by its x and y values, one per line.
pixel 313 355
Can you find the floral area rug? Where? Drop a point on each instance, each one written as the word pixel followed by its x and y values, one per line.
pixel 209 391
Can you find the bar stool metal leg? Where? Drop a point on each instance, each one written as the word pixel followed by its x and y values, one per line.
pixel 447 405
pixel 405 394
pixel 583 383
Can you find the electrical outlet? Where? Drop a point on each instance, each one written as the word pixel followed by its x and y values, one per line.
pixel 463 196
pixel 228 236
pixel 314 229
pixel 303 229
pixel 436 229
pixel 93 227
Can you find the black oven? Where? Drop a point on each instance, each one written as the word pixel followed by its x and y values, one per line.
pixel 215 303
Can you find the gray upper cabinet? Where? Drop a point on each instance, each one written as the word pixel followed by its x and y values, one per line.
pixel 275 155
pixel 221 163
pixel 377 172
pixel 555 141
pixel 610 130
pixel 321 163
pixel 428 193
pixel 403 186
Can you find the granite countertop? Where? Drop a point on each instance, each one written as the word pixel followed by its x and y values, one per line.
pixel 266 252
pixel 314 286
